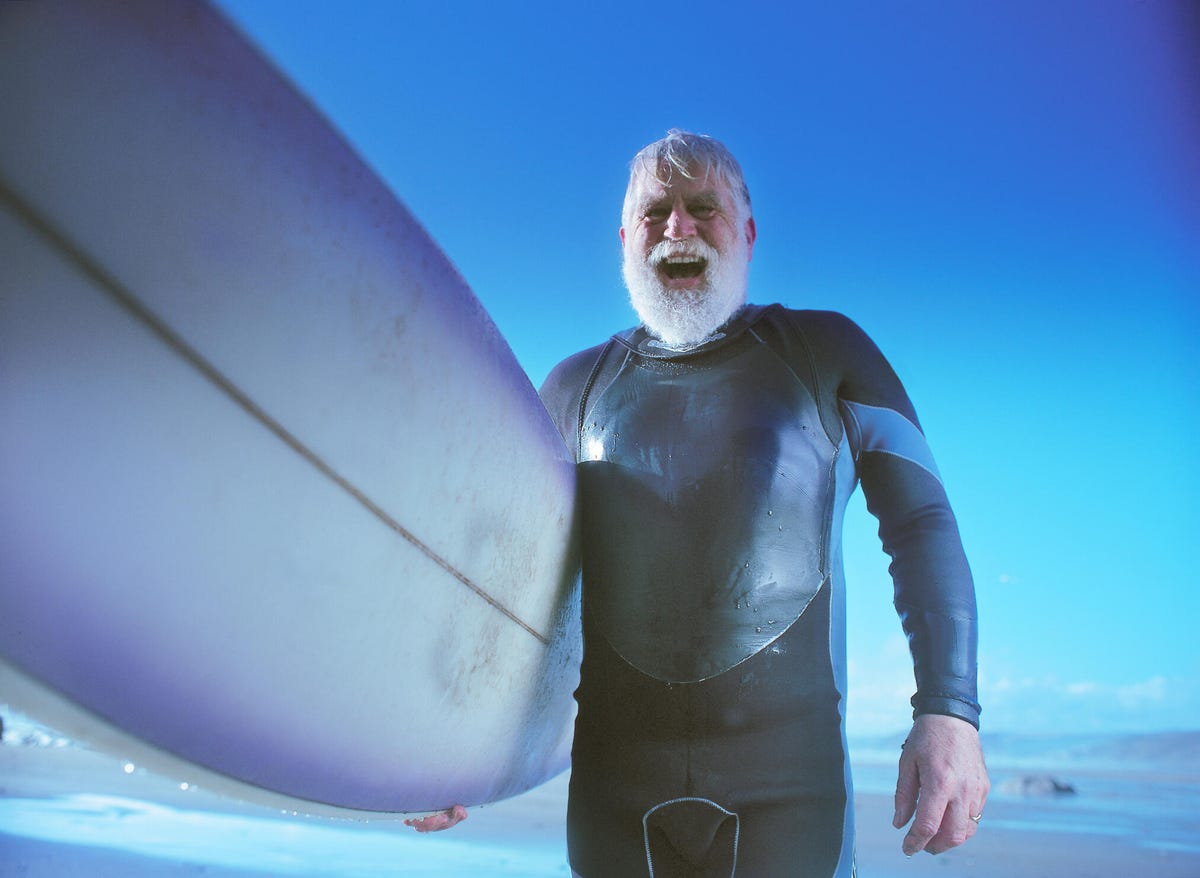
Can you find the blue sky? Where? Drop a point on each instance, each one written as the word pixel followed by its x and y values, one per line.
pixel 1005 196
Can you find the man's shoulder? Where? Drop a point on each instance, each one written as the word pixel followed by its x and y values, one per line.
pixel 574 370
pixel 810 320
pixel 564 387
pixel 825 334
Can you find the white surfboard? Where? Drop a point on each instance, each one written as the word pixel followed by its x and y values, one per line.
pixel 279 511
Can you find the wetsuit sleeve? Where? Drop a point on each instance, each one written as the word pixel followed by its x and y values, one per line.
pixel 934 593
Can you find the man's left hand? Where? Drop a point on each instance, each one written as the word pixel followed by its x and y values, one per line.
pixel 439 821
pixel 943 781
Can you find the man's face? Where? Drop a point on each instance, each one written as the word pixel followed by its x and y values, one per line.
pixel 687 251
pixel 678 214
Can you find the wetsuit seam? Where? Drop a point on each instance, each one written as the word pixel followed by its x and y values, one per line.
pixel 688 783
pixel 898 456
pixel 830 503
pixel 957 618
pixel 826 582
pixel 583 397
pixel 737 827
pixel 810 358
pixel 813 394
pixel 855 443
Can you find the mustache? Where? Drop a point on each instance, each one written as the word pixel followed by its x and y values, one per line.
pixel 694 247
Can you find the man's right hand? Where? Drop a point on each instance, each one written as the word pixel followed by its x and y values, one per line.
pixel 441 820
pixel 943 781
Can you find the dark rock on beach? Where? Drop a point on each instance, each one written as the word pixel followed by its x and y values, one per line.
pixel 1038 785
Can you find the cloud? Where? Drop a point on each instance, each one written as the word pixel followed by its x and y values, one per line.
pixel 1138 695
pixel 881 683
pixel 1135 694
pixel 1048 703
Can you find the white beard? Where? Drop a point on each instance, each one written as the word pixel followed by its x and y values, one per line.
pixel 685 318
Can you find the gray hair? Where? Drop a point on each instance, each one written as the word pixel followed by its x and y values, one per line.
pixel 693 156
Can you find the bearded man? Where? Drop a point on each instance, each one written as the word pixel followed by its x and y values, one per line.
pixel 717 446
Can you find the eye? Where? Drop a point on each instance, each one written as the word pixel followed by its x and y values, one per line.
pixel 703 210
pixel 655 213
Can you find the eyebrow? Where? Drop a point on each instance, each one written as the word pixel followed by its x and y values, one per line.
pixel 705 196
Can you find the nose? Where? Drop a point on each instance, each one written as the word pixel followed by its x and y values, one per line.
pixel 680 224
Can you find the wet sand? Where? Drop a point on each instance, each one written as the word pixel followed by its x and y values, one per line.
pixel 50 829
pixel 1006 847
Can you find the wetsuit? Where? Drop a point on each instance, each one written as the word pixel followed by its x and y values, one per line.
pixel 710 738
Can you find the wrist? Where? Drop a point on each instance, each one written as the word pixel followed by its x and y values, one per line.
pixel 946 706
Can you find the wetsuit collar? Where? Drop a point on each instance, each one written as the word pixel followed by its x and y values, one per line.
pixel 642 342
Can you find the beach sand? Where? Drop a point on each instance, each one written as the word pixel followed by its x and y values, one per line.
pixel 1006 846
pixel 66 811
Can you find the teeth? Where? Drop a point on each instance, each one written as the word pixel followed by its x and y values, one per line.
pixel 681 260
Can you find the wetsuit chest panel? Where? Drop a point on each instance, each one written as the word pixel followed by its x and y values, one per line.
pixel 706 488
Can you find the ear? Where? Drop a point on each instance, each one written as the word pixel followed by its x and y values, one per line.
pixel 751 234
pixel 621 232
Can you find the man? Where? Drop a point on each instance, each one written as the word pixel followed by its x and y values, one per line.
pixel 718 443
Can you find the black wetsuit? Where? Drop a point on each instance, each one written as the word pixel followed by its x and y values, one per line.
pixel 711 738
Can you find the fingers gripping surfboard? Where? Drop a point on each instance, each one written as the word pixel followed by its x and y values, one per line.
pixel 277 504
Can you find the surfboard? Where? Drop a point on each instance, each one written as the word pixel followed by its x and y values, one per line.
pixel 280 514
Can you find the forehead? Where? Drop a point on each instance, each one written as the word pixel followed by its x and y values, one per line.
pixel 648 189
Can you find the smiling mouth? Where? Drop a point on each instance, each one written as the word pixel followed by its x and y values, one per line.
pixel 680 267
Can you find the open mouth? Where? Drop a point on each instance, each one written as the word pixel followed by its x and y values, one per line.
pixel 679 267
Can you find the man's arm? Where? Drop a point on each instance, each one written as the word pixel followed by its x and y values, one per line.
pixel 942 779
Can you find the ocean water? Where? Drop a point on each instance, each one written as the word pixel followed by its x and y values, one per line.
pixel 67 811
